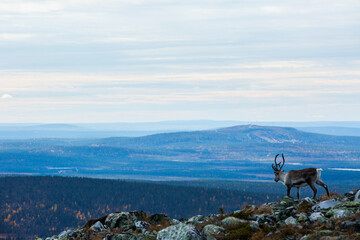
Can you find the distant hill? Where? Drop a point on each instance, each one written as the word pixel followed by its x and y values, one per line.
pixel 239 152
pixel 243 134
pixel 124 129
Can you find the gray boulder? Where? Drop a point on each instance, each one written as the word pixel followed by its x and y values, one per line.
pixel 338 213
pixel 254 225
pixel 325 205
pixel 287 201
pixel 230 221
pixel 143 226
pixel 180 231
pixel 174 221
pixel 120 220
pixel 211 230
pixel 291 221
pixel 349 195
pixel 353 206
pixel 262 219
pixel 65 234
pixel 97 227
pixel 357 196
pixel 196 219
pixel 304 237
pixel 317 216
pixel 351 224
pixel 302 217
pixel 308 200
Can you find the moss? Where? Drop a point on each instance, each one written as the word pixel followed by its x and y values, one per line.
pixel 351 204
pixel 304 207
pixel 243 232
pixel 241 215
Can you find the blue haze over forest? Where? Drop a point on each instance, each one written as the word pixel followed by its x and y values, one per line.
pixel 241 152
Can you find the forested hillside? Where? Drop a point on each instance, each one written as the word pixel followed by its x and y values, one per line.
pixel 44 206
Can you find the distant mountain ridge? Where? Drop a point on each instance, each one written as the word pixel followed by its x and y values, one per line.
pixel 241 134
pixel 239 152
pixel 103 130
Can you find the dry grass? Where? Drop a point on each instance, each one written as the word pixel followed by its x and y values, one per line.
pixel 249 210
pixel 245 232
pixel 91 235
pixel 355 216
pixel 159 227
pixel 145 218
pixel 99 236
pixel 304 207
pixel 259 235
pixel 326 197
pixel 264 209
pixel 237 231
pixel 286 231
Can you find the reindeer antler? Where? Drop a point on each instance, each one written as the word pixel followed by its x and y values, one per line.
pixel 275 167
pixel 282 155
pixel 278 166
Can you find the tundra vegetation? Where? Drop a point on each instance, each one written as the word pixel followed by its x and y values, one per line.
pixel 328 217
pixel 43 206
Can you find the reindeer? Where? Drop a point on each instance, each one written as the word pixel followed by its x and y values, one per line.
pixel 298 178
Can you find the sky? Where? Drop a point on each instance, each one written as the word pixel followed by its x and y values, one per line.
pixel 79 61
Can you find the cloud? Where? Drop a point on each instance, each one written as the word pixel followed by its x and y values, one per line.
pixel 273 9
pixel 250 58
pixel 29 7
pixel 6 96
pixel 15 36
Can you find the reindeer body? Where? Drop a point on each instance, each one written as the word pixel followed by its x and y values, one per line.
pixel 299 178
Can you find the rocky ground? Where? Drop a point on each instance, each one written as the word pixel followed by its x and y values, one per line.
pixel 337 217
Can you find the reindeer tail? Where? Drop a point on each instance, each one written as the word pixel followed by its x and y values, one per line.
pixel 318 170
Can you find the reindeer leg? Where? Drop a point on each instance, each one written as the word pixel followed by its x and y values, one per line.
pixel 312 185
pixel 298 193
pixel 288 191
pixel 321 183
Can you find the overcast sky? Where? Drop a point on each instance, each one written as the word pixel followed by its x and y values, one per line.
pixel 151 60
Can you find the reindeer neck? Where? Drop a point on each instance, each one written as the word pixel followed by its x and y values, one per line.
pixel 282 176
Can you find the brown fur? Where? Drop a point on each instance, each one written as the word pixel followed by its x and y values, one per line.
pixel 300 178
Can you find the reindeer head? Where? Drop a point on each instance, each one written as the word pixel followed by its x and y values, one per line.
pixel 277 167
